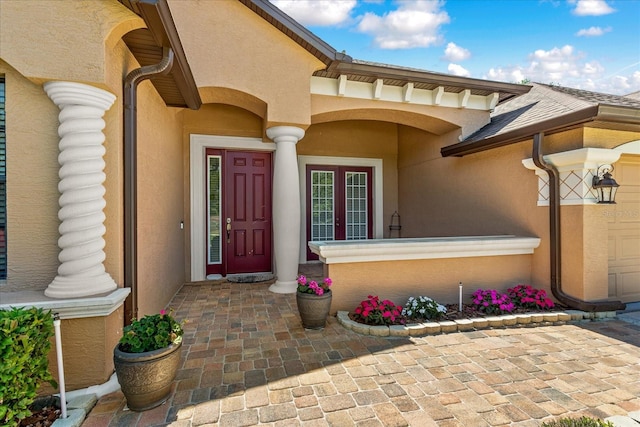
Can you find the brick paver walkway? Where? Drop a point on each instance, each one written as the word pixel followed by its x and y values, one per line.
pixel 247 361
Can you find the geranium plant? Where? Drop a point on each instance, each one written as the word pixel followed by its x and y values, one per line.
pixel 372 311
pixel 491 301
pixel 152 332
pixel 526 296
pixel 423 308
pixel 306 286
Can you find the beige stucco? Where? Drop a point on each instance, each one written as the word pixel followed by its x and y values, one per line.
pixel 32 179
pixel 87 350
pixel 160 201
pixel 436 278
pixel 63 49
pixel 253 58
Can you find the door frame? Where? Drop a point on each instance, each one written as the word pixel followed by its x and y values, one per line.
pixel 377 204
pixel 198 144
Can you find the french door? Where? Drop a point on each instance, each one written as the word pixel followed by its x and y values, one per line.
pixel 339 203
pixel 238 212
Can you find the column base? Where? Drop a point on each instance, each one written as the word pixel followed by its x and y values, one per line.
pixel 76 287
pixel 281 287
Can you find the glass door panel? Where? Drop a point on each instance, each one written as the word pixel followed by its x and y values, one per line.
pixel 214 182
pixel 356 205
pixel 322 205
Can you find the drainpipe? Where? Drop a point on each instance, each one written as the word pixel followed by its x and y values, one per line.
pixel 131 82
pixel 554 237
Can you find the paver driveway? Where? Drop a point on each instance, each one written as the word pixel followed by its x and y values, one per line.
pixel 247 361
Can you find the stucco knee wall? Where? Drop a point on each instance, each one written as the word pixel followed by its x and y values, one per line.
pixel 436 278
pixel 87 350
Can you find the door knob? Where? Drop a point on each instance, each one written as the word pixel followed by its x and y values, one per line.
pixel 228 230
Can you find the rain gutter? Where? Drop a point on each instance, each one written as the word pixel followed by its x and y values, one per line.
pixel 554 237
pixel 131 82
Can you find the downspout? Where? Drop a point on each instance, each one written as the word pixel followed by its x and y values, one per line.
pixel 131 82
pixel 554 238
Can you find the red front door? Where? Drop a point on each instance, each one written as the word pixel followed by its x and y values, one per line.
pixel 239 211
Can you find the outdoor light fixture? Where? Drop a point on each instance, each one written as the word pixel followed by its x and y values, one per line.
pixel 605 185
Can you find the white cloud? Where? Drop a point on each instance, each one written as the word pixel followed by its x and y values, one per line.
pixel 591 7
pixel 458 70
pixel 592 31
pixel 413 24
pixel 508 74
pixel 455 53
pixel 317 12
pixel 566 67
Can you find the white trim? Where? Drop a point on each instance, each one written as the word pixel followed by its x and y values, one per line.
pixel 376 164
pixel 340 252
pixel 632 147
pixel 72 308
pixel 197 152
pixel 342 87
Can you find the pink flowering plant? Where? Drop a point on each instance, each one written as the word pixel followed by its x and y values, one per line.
pixel 491 301
pixel 372 311
pixel 526 296
pixel 307 286
pixel 152 332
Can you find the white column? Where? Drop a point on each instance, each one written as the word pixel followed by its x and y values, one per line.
pixel 286 207
pixel 81 272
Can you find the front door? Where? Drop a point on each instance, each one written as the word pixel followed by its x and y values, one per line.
pixel 238 211
pixel 339 203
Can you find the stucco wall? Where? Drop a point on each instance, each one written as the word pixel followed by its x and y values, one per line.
pixel 263 61
pixel 87 351
pixel 435 278
pixel 71 44
pixel 32 183
pixel 161 200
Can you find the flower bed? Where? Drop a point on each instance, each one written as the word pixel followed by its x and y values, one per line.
pixel 522 305
pixel 462 323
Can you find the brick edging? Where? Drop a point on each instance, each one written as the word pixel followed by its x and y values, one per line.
pixel 447 326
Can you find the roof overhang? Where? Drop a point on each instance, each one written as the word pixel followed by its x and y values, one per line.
pixel 614 115
pixel 178 88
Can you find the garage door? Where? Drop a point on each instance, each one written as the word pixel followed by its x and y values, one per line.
pixel 624 232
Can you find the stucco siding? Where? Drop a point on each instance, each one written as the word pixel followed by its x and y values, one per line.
pixel 261 61
pixel 32 184
pixel 435 278
pixel 160 201
pixel 72 50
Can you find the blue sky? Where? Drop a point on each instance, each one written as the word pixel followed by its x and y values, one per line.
pixel 586 44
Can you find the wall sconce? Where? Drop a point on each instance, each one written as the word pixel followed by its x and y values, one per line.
pixel 605 185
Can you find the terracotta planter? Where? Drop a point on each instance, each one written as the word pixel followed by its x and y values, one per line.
pixel 146 378
pixel 314 309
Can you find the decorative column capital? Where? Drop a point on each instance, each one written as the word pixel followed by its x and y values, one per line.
pixel 285 133
pixel 81 272
pixel 577 169
pixel 70 93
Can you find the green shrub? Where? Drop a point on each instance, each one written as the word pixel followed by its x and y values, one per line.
pixel 24 346
pixel 577 422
